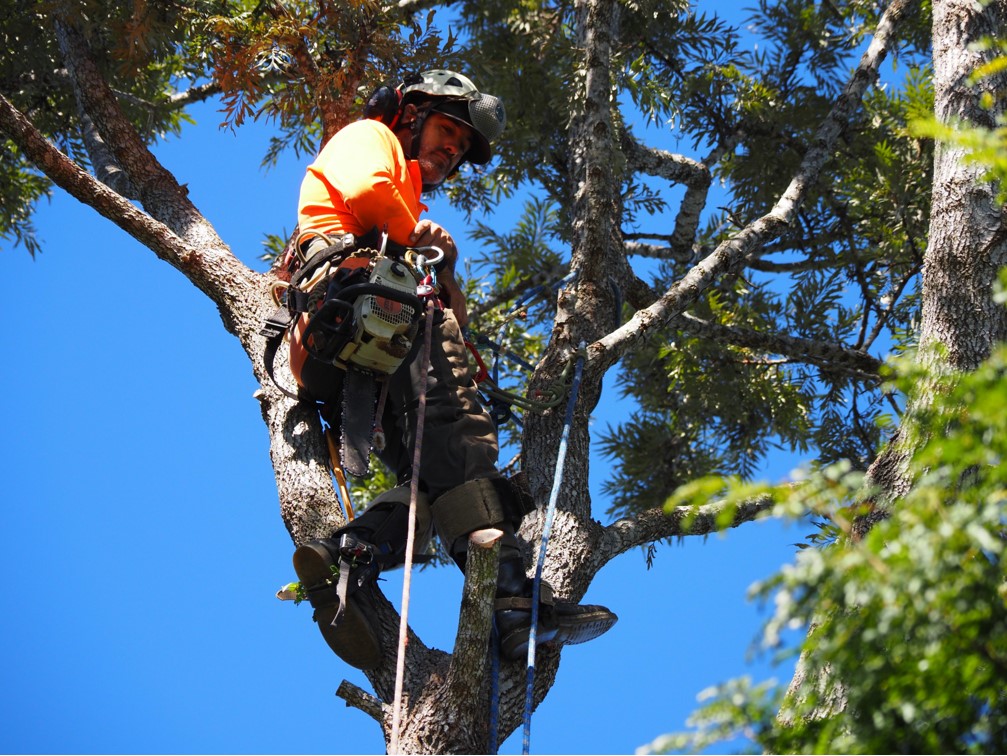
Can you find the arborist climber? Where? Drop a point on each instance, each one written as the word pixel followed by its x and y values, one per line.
pixel 367 181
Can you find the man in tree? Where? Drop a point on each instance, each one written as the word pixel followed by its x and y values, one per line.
pixel 368 180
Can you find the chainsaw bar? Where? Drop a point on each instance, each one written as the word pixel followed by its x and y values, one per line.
pixel 357 423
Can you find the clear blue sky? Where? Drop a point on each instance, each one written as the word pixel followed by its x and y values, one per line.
pixel 142 543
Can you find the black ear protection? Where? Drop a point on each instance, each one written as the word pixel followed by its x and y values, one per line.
pixel 384 105
pixel 386 102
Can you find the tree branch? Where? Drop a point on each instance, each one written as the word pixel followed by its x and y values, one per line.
pixel 81 185
pixel 656 252
pixel 475 620
pixel 825 354
pixel 677 169
pixel 198 93
pixel 828 355
pixel 735 251
pixel 159 190
pixel 361 699
pixel 656 524
pixel 106 170
pixel 596 176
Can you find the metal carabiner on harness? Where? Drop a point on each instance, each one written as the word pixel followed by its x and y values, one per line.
pixel 426 267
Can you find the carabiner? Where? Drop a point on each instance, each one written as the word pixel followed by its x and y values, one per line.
pixel 419 260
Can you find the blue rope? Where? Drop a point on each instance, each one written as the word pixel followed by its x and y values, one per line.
pixel 550 515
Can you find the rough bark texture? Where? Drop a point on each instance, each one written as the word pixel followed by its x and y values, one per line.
pixel 959 320
pixel 968 243
pixel 967 247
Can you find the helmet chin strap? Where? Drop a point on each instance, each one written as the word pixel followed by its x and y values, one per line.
pixel 416 130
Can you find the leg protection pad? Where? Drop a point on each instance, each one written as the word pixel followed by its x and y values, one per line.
pixel 477 504
pixel 386 522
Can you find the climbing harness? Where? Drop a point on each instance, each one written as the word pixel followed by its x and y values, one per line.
pixel 550 516
pixel 427 290
pixel 350 311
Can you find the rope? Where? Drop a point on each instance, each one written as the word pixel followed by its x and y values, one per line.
pixel 400 663
pixel 550 515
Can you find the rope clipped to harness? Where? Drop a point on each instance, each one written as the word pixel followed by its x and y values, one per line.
pixel 550 516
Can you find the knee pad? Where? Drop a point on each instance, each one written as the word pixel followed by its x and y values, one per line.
pixel 478 504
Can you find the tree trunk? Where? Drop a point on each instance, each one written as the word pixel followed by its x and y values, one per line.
pixel 960 321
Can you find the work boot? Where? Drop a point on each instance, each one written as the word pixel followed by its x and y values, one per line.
pixel 333 573
pixel 558 621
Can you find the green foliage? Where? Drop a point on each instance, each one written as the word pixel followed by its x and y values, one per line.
pixel 20 188
pixel 510 283
pixel 300 64
pixel 908 625
pixel 846 272
pixel 134 44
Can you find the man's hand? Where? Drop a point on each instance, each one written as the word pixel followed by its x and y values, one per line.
pixel 429 234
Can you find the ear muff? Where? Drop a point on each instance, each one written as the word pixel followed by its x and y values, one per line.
pixel 384 105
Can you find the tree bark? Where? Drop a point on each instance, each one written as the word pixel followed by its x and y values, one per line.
pixel 960 321
pixel 446 696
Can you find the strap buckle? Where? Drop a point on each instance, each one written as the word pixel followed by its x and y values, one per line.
pixel 355 550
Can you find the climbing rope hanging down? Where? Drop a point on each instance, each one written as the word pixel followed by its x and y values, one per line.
pixel 427 291
pixel 550 516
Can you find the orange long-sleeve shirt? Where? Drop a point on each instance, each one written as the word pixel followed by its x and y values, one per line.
pixel 361 180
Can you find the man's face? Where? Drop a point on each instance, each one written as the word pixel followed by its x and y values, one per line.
pixel 443 143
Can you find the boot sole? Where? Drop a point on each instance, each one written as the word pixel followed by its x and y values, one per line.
pixel 354 639
pixel 586 624
pixel 575 624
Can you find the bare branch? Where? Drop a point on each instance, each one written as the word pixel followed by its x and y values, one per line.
pixel 198 93
pixel 159 190
pixel 676 169
pixel 733 253
pixel 475 621
pixel 66 174
pixel 657 252
pixel 361 699
pixel 594 134
pixel 656 524
pixel 106 170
